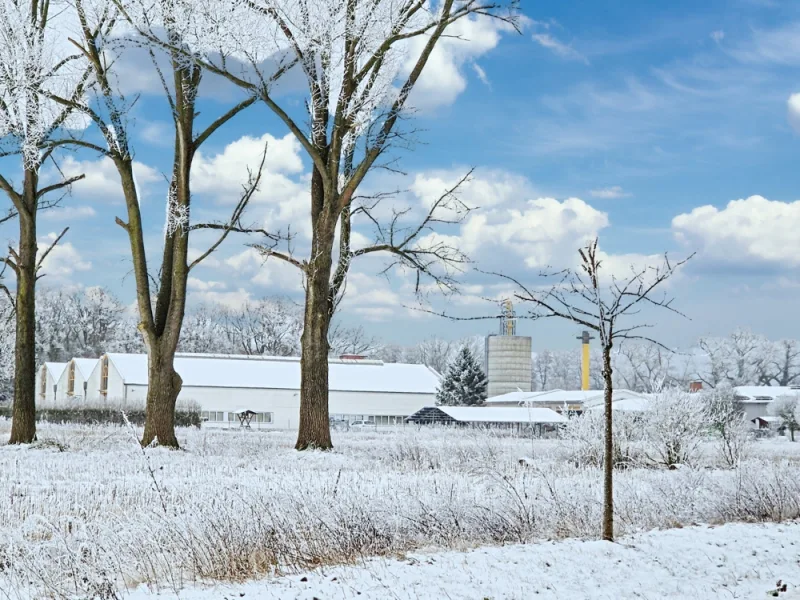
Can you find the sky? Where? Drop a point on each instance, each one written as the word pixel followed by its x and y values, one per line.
pixel 656 127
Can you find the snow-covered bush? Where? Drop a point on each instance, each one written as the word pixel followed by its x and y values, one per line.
pixel 727 422
pixel 674 426
pixel 584 436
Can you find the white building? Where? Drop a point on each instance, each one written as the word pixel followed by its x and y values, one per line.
pixel 756 399
pixel 72 386
pixel 574 400
pixel 47 382
pixel 516 417
pixel 225 385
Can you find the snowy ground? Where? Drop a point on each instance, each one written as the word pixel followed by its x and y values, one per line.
pixel 730 561
pixel 87 514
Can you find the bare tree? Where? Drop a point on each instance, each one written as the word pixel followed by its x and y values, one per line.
pixel 160 322
pixel 782 364
pixel 32 65
pixel 351 340
pixel 787 409
pixel 581 296
pixel 352 54
pixel 271 327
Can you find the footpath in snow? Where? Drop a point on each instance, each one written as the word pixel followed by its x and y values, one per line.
pixel 730 561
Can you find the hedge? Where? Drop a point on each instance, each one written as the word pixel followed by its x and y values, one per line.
pixel 89 416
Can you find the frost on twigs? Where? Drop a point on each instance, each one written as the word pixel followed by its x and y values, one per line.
pixel 177 219
pixel 35 64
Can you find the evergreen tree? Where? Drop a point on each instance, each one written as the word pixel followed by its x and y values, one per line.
pixel 464 384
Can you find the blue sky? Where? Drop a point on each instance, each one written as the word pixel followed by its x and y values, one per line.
pixel 620 119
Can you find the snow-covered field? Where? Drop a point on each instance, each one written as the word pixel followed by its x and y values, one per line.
pixel 730 561
pixel 87 513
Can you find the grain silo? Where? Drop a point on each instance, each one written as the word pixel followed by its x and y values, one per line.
pixel 508 356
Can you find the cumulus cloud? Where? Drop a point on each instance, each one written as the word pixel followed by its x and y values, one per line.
pixel 443 78
pixel 747 232
pixel 201 285
pixel 793 107
pixel 101 179
pixel 68 213
pixel 487 188
pixel 609 193
pixel 63 260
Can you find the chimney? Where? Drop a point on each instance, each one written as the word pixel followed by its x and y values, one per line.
pixel 696 386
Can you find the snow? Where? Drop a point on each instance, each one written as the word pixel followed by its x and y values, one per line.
pixel 56 369
pixel 764 393
pixel 516 397
pixel 85 365
pixel 283 373
pixel 502 414
pixel 690 563
pixel 627 404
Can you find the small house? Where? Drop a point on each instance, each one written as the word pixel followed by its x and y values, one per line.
pixel 72 385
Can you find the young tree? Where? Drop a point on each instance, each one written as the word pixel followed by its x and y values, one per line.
pixel 33 64
pixel 726 418
pixel 787 409
pixel 464 384
pixel 583 296
pixel 159 324
pixel 674 425
pixel 353 55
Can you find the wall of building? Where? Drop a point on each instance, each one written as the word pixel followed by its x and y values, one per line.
pixel 48 399
pixel 508 364
pixel 116 387
pixel 62 397
pixel 283 406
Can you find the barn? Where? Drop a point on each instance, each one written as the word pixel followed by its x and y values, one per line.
pixel 47 382
pixel 225 386
pixel 507 417
pixel 72 386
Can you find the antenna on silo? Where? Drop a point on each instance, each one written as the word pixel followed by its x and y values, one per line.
pixel 508 318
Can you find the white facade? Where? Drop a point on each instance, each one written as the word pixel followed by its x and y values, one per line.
pixel 224 385
pixel 72 385
pixel 47 381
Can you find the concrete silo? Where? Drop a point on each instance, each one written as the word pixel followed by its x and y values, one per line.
pixel 508 357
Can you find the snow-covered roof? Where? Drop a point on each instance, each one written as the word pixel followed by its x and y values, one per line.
pixel 633 404
pixel 236 371
pixel 85 365
pixel 585 397
pixel 56 369
pixel 763 393
pixel 502 414
pixel 514 397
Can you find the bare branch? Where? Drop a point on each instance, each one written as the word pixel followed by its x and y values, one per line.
pixel 47 252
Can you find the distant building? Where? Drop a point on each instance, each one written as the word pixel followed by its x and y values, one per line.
pixel 539 419
pixel 72 383
pixel 756 399
pixel 47 382
pixel 225 386
pixel 574 400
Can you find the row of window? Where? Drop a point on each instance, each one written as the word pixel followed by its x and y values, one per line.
pixel 216 416
pixel 370 419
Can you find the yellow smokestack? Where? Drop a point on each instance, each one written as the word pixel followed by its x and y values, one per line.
pixel 584 338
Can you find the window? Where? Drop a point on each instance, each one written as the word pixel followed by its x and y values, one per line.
pixel 71 379
pixel 43 383
pixel 104 376
pixel 263 418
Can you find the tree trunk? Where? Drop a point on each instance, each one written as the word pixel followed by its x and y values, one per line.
pixel 608 462
pixel 163 386
pixel 315 429
pixel 23 426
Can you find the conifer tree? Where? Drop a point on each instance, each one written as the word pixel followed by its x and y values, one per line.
pixel 464 384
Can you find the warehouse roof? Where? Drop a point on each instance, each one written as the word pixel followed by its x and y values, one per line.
pixel 489 414
pixel 266 372
pixel 85 365
pixel 56 369
pixel 587 397
pixel 763 393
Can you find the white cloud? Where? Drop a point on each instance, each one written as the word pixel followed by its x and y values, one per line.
pixel 487 188
pixel 231 299
pixel 609 193
pixel 201 285
pixel 793 106
pixel 101 179
pixel 746 232
pixel 282 197
pixel 156 133
pixel 717 35
pixel 68 213
pixel 481 73
pixel 443 79
pixel 565 51
pixel 63 260
pixel 780 46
